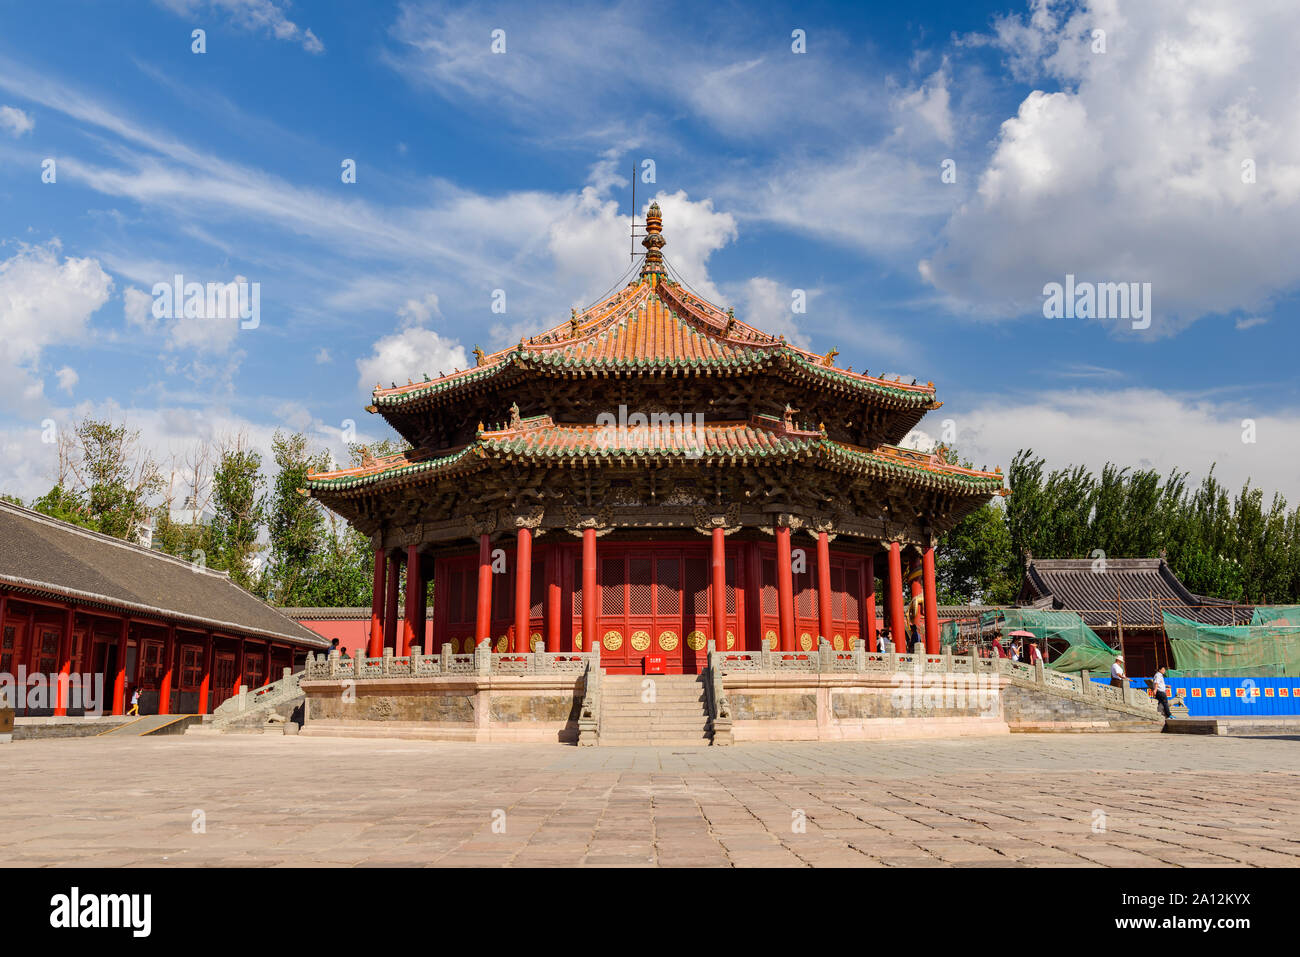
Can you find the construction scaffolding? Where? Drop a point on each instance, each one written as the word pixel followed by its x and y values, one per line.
pixel 1267 650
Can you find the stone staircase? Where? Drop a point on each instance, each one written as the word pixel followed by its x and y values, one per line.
pixel 671 711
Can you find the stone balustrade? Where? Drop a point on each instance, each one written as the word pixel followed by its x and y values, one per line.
pixel 417 665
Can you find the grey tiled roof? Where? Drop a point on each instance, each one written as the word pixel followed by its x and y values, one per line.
pixel 1139 588
pixel 42 555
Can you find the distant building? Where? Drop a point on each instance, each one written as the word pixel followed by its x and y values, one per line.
pixel 1123 601
pixel 73 601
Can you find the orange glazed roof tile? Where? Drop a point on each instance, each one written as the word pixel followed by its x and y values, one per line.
pixel 656 325
pixel 762 438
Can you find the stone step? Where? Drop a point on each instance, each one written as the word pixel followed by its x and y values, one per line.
pixel 630 726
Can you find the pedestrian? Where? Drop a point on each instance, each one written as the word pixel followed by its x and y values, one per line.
pixel 1035 655
pixel 135 702
pixel 1117 672
pixel 1162 693
pixel 1015 650
pixel 998 650
pixel 883 643
pixel 334 647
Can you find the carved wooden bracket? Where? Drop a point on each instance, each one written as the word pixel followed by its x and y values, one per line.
pixel 728 520
pixel 527 517
pixel 479 525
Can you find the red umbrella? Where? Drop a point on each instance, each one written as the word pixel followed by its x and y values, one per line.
pixel 1022 634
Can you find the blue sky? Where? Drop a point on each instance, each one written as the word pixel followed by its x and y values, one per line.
pixel 776 171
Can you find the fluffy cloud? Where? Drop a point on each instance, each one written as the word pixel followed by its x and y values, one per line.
pixel 1144 428
pixel 44 302
pixel 409 354
pixel 15 120
pixel 1133 170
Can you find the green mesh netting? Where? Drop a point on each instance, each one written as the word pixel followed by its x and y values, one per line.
pixel 1262 650
pixel 1069 643
pixel 1276 614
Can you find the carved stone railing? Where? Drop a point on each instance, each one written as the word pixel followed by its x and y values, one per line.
pixel 417 665
pixel 719 706
pixel 589 710
pixel 239 708
pixel 825 660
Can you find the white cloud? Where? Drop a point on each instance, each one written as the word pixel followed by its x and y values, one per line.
pixel 254 16
pixel 15 121
pixel 137 309
pixel 417 312
pixel 409 354
pixel 323 356
pixel 766 304
pixel 1137 427
pixel 68 378
pixel 44 302
pixel 1133 170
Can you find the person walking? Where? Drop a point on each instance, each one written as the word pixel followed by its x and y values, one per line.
pixel 884 645
pixel 1117 672
pixel 135 703
pixel 1162 692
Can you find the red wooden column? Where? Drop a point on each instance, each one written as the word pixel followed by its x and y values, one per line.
pixel 784 588
pixel 119 679
pixel 523 587
pixel 718 597
pixel 824 584
pixel 483 617
pixel 165 687
pixel 914 578
pixel 931 603
pixel 869 603
pixel 205 684
pixel 377 608
pixel 65 663
pixel 554 596
pixel 390 603
pixel 894 598
pixel 589 596
pixel 414 581
pixel 239 667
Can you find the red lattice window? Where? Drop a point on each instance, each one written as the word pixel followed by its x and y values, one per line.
pixel 611 586
pixel 577 588
pixel 640 586
pixel 697 584
pixel 852 596
pixel 769 586
pixel 456 596
pixel 805 594
pixel 151 666
pixel 537 589
pixel 730 572
pixel 668 574
pixel 191 667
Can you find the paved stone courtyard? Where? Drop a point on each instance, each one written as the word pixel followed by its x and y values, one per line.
pixel 1111 800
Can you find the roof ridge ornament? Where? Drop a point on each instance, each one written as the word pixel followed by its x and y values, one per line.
pixel 653 243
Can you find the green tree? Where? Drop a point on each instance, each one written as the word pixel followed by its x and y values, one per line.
pixel 238 503
pixel 295 523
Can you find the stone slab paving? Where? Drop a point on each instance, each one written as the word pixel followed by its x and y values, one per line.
pixel 1040 800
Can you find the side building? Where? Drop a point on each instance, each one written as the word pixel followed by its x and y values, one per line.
pixel 75 602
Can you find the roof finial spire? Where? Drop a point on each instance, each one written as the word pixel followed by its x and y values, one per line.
pixel 653 242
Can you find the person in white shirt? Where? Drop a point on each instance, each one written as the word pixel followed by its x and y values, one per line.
pixel 1015 650
pixel 1162 693
pixel 1035 656
pixel 1117 672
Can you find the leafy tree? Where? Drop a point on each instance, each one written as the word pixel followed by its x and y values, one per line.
pixel 240 512
pixel 296 523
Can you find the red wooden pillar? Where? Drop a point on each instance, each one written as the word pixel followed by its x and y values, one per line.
pixel 914 579
pixel 377 608
pixel 824 584
pixel 718 597
pixel 483 617
pixel 931 603
pixel 784 588
pixel 390 603
pixel 589 596
pixel 413 583
pixel 869 603
pixel 239 667
pixel 65 662
pixel 205 684
pixel 423 633
pixel 119 679
pixel 165 688
pixel 523 587
pixel 554 595
pixel 894 598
